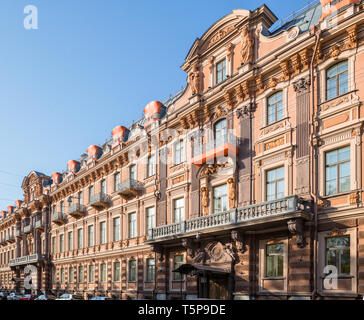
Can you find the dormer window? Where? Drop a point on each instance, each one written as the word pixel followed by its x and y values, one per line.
pixel 220 71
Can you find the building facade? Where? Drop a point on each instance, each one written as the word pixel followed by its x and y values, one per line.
pixel 245 185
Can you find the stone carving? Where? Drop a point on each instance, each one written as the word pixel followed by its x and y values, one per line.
pixel 159 251
pixel 220 112
pixel 274 144
pixel 194 79
pixel 239 241
pixel 218 253
pixel 205 201
pixel 296 227
pixel 200 256
pixel 247 46
pixel 302 85
pixel 221 34
pixel 187 243
pixel 212 168
pixel 232 192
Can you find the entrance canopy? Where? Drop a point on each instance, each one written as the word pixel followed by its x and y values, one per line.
pixel 195 269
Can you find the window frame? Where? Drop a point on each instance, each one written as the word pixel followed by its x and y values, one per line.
pixel 275 105
pixel 222 72
pixel 337 82
pixel 276 181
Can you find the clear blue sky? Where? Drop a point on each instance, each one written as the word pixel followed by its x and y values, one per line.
pixel 91 65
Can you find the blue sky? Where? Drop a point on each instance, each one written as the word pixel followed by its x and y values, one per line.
pixel 90 66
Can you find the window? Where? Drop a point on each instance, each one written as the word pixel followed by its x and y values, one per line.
pixel 103 272
pixel 116 229
pixel 179 152
pixel 275 184
pixel 91 273
pixel 220 132
pixel 116 181
pixel 90 234
pixel 54 249
pixel 274 260
pixel 103 186
pixel 80 274
pixel 132 270
pixel 80 198
pixel 177 262
pixel 151 166
pixel 61 243
pixel 179 210
pixel 80 238
pixel 62 207
pixel 337 80
pixel 117 271
pixel 132 225
pixel 91 193
pixel 150 218
pixel 338 171
pixel 54 275
pixel 70 275
pixel 220 198
pixel 275 108
pixel 70 241
pixel 102 232
pixel 150 270
pixel 62 275
pixel 221 71
pixel 338 254
pixel 132 172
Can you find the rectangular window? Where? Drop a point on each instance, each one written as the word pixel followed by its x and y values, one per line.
pixel 151 166
pixel 116 181
pixel 61 243
pixel 179 152
pixel 220 199
pixel 274 260
pixel 103 232
pixel 275 184
pixel 80 274
pixel 103 186
pixel 91 274
pixel 90 235
pixel 338 254
pixel 54 248
pixel 179 210
pixel 275 108
pixel 91 193
pixel 150 218
pixel 338 171
pixel 150 270
pixel 221 71
pixel 103 272
pixel 70 275
pixel 80 238
pixel 70 241
pixel 54 275
pixel 337 80
pixel 62 207
pixel 132 270
pixel 132 225
pixel 177 262
pixel 132 172
pixel 117 271
pixel 62 275
pixel 80 198
pixel 116 229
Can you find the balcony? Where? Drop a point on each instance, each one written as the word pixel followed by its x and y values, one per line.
pixel 31 259
pixel 28 229
pixel 2 242
pixel 208 153
pixel 99 201
pixel 10 238
pixel 76 210
pixel 19 233
pixel 39 225
pixel 129 188
pixel 58 218
pixel 253 215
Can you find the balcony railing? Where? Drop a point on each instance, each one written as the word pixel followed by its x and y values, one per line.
pixel 99 200
pixel 28 228
pixel 39 225
pixel 76 210
pixel 231 218
pixel 2 242
pixel 10 238
pixel 129 188
pixel 58 218
pixel 222 147
pixel 34 258
pixel 19 233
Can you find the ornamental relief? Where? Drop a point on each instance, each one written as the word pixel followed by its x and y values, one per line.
pixel 346 99
pixel 274 129
pixel 220 35
pixel 274 144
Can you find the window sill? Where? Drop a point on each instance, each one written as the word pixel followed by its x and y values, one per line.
pixel 274 123
pixel 340 194
pixel 274 278
pixel 337 97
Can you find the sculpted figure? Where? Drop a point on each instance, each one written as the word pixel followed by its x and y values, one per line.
pixel 205 201
pixel 247 46
pixel 194 80
pixel 232 192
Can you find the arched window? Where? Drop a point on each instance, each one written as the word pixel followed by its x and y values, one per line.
pixel 337 80
pixel 220 132
pixel 275 108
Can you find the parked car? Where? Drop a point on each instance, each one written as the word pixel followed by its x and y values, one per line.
pixel 46 297
pixel 27 297
pixel 67 296
pixel 13 296
pixel 100 298
pixel 2 296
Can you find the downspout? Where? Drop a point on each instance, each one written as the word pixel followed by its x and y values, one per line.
pixel 313 167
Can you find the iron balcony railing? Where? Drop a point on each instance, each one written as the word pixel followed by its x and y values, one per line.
pixel 58 217
pixel 28 228
pixel 263 210
pixel 2 241
pixel 76 209
pixel 34 258
pixel 99 198
pixel 39 224
pixel 9 238
pixel 129 184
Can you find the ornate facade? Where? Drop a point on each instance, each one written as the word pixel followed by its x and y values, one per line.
pixel 248 184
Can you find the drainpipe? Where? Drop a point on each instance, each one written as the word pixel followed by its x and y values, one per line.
pixel 313 166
